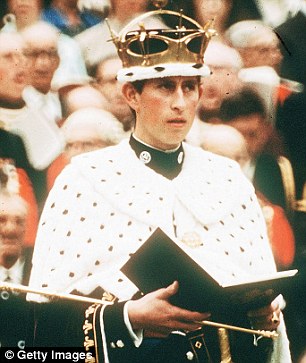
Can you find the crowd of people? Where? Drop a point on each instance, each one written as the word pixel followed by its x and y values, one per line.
pixel 60 97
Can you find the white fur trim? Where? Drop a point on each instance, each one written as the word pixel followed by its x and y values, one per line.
pixel 139 73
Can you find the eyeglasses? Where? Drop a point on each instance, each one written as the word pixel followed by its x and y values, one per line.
pixel 264 49
pixel 52 54
pixel 106 81
pixel 12 57
pixel 86 145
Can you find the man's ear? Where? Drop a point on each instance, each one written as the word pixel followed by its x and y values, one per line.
pixel 200 90
pixel 131 95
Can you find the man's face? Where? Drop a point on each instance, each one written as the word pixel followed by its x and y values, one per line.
pixel 111 89
pixel 22 8
pixel 255 131
pixel 263 52
pixel 71 3
pixel 12 229
pixel 165 109
pixel 221 83
pixel 13 67
pixel 212 9
pixel 44 60
pixel 83 139
pixel 130 7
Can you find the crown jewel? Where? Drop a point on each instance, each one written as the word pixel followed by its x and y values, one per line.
pixel 159 48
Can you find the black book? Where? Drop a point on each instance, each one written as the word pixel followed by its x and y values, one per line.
pixel 160 261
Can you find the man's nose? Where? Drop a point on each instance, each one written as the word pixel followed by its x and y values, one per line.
pixel 178 101
pixel 276 56
pixel 43 59
pixel 19 60
pixel 11 226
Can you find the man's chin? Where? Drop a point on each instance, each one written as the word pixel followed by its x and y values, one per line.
pixel 10 257
pixel 208 113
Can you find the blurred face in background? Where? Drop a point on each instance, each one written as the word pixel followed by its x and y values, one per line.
pixel 76 97
pixel 226 141
pixel 25 11
pixel 42 52
pixel 13 67
pixel 13 214
pixel 221 83
pixel 255 130
pixel 70 3
pixel 21 8
pixel 129 8
pixel 110 88
pixel 82 139
pixel 89 129
pixel 262 51
pixel 212 9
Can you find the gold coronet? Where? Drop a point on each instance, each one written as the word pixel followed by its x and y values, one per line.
pixel 138 46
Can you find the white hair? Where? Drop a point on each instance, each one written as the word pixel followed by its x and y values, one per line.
pixel 107 127
pixel 244 33
pixel 219 54
pixel 41 29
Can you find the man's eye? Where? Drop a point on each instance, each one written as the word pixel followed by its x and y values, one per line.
pixel 20 221
pixel 189 87
pixel 166 86
pixel 70 146
pixel 8 57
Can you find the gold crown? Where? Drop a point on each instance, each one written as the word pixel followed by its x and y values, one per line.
pixel 186 44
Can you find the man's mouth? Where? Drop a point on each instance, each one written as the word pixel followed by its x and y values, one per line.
pixel 10 241
pixel 177 121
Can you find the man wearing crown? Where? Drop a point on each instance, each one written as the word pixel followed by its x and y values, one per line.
pixel 107 203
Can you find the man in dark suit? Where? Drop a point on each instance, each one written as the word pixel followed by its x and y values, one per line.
pixel 291 115
pixel 291 123
pixel 293 45
pixel 246 112
pixel 12 147
pixel 25 324
pixel 15 267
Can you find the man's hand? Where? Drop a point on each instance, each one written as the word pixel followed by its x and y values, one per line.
pixel 158 317
pixel 266 318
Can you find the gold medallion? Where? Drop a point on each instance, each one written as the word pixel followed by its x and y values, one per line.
pixel 192 239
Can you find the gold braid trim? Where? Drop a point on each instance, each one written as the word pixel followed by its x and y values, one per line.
pixel 89 327
pixel 95 335
pixel 289 184
pixel 301 204
pixel 90 341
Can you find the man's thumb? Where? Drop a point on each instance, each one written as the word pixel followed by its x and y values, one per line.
pixel 170 290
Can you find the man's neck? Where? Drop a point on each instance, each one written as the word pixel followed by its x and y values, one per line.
pixel 167 163
pixel 9 261
pixel 156 148
pixel 65 8
pixel 26 21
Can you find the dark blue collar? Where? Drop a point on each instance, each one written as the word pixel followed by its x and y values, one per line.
pixel 168 164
